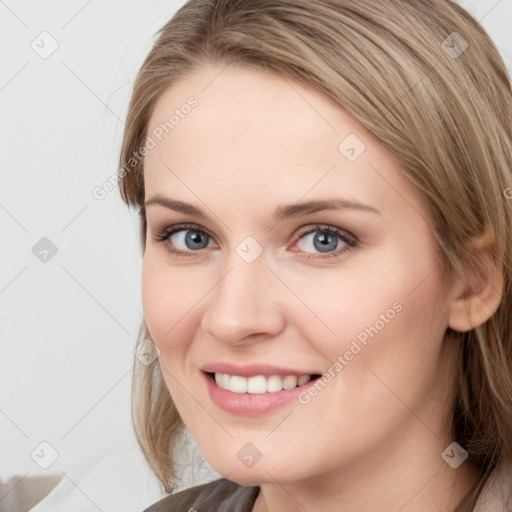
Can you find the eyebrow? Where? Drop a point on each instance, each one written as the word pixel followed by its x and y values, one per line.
pixel 280 213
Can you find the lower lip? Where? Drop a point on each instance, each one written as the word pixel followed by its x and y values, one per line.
pixel 249 404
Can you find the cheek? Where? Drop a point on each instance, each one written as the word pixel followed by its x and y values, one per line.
pixel 388 315
pixel 397 302
pixel 169 296
pixel 391 342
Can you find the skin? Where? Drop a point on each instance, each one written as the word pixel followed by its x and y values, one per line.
pixel 372 438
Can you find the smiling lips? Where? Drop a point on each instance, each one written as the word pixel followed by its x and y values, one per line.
pixel 253 389
pixel 255 393
pixel 256 378
pixel 259 384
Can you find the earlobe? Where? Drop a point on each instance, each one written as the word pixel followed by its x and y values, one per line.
pixel 476 296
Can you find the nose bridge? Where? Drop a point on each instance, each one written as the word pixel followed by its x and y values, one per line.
pixel 240 303
pixel 241 289
pixel 239 284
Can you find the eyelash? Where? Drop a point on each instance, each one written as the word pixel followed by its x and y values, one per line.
pixel 350 240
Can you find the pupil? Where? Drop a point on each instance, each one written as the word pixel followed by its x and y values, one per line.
pixel 325 242
pixel 193 239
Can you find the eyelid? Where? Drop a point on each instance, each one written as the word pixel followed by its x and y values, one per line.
pixel 342 233
pixel 163 234
pixel 168 227
pixel 351 240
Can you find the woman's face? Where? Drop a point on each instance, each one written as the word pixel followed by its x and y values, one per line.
pixel 275 284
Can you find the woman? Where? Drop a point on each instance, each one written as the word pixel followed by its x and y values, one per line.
pixel 324 193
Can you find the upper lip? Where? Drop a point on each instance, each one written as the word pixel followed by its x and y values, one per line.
pixel 250 370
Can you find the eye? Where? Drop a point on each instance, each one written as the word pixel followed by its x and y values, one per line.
pixel 327 240
pixel 188 236
pixel 188 240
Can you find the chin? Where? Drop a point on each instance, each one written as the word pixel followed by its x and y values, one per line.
pixel 258 474
pixel 243 478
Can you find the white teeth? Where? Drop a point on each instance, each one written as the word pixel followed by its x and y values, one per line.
pixel 290 382
pixel 222 380
pixel 226 380
pixel 256 385
pixel 259 384
pixel 274 384
pixel 238 384
pixel 302 380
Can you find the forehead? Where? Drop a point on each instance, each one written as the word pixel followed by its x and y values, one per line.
pixel 254 134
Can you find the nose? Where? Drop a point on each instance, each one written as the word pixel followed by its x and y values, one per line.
pixel 245 304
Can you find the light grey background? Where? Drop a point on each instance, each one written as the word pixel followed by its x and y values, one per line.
pixel 68 325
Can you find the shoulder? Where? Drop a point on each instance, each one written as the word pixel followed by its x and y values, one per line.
pixel 221 495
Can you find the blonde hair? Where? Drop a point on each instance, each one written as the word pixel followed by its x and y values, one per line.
pixel 428 82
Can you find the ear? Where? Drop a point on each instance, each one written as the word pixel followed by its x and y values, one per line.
pixel 475 297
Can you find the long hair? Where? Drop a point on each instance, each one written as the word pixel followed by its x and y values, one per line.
pixel 425 79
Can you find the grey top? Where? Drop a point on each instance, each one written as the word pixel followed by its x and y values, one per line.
pixel 221 495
